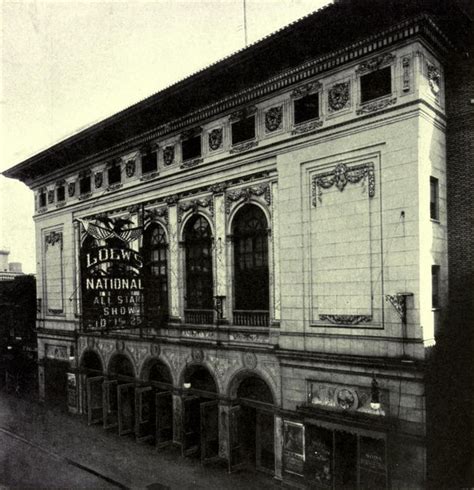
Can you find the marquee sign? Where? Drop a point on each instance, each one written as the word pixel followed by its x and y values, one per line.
pixel 112 280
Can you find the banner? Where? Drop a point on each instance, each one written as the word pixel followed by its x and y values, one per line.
pixel 112 281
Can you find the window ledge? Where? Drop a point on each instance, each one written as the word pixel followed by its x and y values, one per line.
pixel 244 146
pixel 307 126
pixel 376 105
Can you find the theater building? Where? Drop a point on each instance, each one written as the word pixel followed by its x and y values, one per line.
pixel 252 264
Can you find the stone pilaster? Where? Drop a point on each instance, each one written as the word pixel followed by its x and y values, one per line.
pixel 177 415
pixel 175 309
pixel 220 250
pixel 77 272
pixel 278 447
pixel 275 242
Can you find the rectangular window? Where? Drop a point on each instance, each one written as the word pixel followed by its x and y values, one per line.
pixel 434 198
pixel 85 184
pixel 149 162
pixel 60 193
pixel 306 108
pixel 191 148
pixel 243 130
pixel 42 199
pixel 376 84
pixel 114 175
pixel 435 286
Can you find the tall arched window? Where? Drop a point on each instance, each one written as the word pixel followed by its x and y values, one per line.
pixel 199 281
pixel 251 283
pixel 156 273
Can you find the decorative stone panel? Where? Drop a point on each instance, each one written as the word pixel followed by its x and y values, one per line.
pixel 261 191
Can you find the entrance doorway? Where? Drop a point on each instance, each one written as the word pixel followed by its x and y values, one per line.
pixel 118 394
pixel 154 405
pixel 251 427
pixel 92 379
pixel 200 415
pixel 55 373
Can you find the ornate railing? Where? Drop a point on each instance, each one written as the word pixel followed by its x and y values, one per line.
pixel 199 317
pixel 251 318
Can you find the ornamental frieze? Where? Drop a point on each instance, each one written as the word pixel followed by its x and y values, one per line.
pixel 198 334
pixel 241 147
pixel 273 119
pixel 248 337
pixel 157 213
pixel 215 139
pixel 375 63
pixel 340 177
pixel 378 105
pixel 306 89
pixel 339 96
pixel 345 319
pixel 243 113
pixel 246 194
pixel 194 205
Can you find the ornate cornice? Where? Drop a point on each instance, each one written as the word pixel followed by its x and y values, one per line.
pixel 340 177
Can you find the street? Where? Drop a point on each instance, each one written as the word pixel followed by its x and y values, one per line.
pixel 45 448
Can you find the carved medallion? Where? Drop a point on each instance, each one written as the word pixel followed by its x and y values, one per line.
pixel 168 155
pixel 155 350
pixel 90 342
pixel 338 96
pixel 98 180
pixel 215 139
pixel 130 168
pixel 120 345
pixel 249 360
pixel 273 118
pixel 346 399
pixel 71 189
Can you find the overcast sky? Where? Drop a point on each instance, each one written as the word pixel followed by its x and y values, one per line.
pixel 66 65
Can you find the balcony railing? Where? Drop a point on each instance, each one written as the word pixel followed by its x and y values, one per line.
pixel 199 317
pixel 251 318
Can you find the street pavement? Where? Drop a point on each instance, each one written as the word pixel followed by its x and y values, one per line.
pixel 42 447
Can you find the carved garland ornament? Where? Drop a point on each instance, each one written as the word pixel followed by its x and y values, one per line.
pixel 345 319
pixel 194 205
pixel 375 63
pixel 378 105
pixel 340 176
pixel 262 190
pixel 406 73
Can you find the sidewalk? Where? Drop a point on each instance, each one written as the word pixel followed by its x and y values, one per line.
pixel 119 459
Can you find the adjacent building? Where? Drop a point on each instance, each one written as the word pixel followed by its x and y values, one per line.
pixel 252 264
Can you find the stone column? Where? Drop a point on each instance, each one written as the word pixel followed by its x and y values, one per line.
pixel 278 446
pixel 174 280
pixel 220 250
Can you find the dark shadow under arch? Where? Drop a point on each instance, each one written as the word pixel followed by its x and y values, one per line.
pixel 200 378
pixel 120 366
pixel 91 363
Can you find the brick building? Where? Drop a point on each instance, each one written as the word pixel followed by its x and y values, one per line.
pixel 265 246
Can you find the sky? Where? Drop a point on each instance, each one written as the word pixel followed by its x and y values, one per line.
pixel 66 65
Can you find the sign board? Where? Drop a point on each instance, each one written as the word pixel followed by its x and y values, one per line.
pixel 112 281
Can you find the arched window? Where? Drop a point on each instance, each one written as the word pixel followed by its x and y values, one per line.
pixel 251 283
pixel 199 282
pixel 156 273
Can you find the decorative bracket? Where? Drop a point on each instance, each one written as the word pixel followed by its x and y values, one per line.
pixel 399 302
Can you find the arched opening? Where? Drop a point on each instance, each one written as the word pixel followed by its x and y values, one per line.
pixel 251 276
pixel 200 414
pixel 199 277
pixel 251 424
pixel 91 364
pixel 119 395
pixel 155 254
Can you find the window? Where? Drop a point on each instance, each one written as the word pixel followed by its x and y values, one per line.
pixel 306 108
pixel 42 198
pixel 191 147
pixel 199 281
pixel 376 84
pixel 149 162
pixel 114 174
pixel 434 198
pixel 85 184
pixel 243 130
pixel 435 303
pixel 156 273
pixel 60 193
pixel 251 279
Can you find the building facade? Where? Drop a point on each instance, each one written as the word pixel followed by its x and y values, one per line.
pixel 256 269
